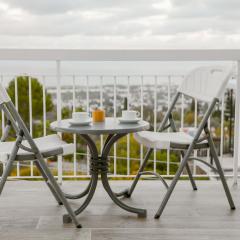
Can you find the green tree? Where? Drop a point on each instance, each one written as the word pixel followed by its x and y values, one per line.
pixel 189 118
pixel 23 97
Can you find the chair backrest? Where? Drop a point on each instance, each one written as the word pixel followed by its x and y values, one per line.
pixel 206 83
pixel 15 118
pixel 3 95
pixel 10 111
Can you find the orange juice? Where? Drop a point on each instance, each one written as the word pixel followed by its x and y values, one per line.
pixel 98 115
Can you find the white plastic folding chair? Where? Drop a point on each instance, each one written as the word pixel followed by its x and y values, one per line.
pixel 25 148
pixel 206 84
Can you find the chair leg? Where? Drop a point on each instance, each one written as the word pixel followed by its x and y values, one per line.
pixel 221 173
pixel 9 164
pixel 136 179
pixel 6 173
pixel 194 186
pixel 58 190
pixel 48 184
pixel 172 185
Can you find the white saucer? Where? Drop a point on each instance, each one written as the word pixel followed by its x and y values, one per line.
pixel 78 123
pixel 122 120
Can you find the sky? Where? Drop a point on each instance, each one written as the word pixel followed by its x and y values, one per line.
pixel 144 24
pixel 116 24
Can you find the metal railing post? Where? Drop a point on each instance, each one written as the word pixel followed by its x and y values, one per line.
pixel 236 126
pixel 141 146
pixel 59 113
pixel 128 136
pixel 16 105
pixel 168 105
pixel 30 113
pixel 155 121
pixel 44 107
pixel 115 115
pixel 74 135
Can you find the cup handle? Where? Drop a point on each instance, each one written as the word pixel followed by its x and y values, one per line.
pixel 138 114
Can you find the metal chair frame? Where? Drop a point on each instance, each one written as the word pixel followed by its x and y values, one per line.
pixel 22 133
pixel 186 151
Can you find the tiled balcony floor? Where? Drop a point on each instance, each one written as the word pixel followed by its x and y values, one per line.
pixel 28 211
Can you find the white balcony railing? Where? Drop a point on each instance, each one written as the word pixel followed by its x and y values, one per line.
pixel 150 94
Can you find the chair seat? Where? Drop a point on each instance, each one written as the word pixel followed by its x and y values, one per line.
pixel 50 145
pixel 163 140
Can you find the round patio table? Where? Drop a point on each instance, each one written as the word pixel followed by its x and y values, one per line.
pixel 99 160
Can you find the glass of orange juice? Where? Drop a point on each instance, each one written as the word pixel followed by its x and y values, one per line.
pixel 98 115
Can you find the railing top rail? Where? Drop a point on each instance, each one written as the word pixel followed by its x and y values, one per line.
pixel 120 54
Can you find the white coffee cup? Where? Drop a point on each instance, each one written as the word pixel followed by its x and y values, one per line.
pixel 130 115
pixel 80 116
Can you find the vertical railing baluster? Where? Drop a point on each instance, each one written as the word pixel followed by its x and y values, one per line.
pixel 101 106
pixel 3 122
pixel 44 107
pixel 128 136
pixel 87 93
pixel 59 116
pixel 115 115
pixel 16 105
pixel 88 110
pixel 74 135
pixel 236 126
pixel 169 100
pixel 30 104
pixel 101 91
pixel 195 126
pixel 182 111
pixel 182 115
pixel 208 151
pixel 30 113
pixel 222 130
pixel 3 117
pixel 141 146
pixel 155 120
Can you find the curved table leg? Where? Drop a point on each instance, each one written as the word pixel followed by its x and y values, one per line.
pixel 94 180
pixel 123 193
pixel 100 165
pixel 79 195
pixel 106 141
pixel 90 190
pixel 104 178
pixel 140 212
pixel 128 192
pixel 90 194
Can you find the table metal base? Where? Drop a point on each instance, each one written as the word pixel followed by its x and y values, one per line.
pixel 99 166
